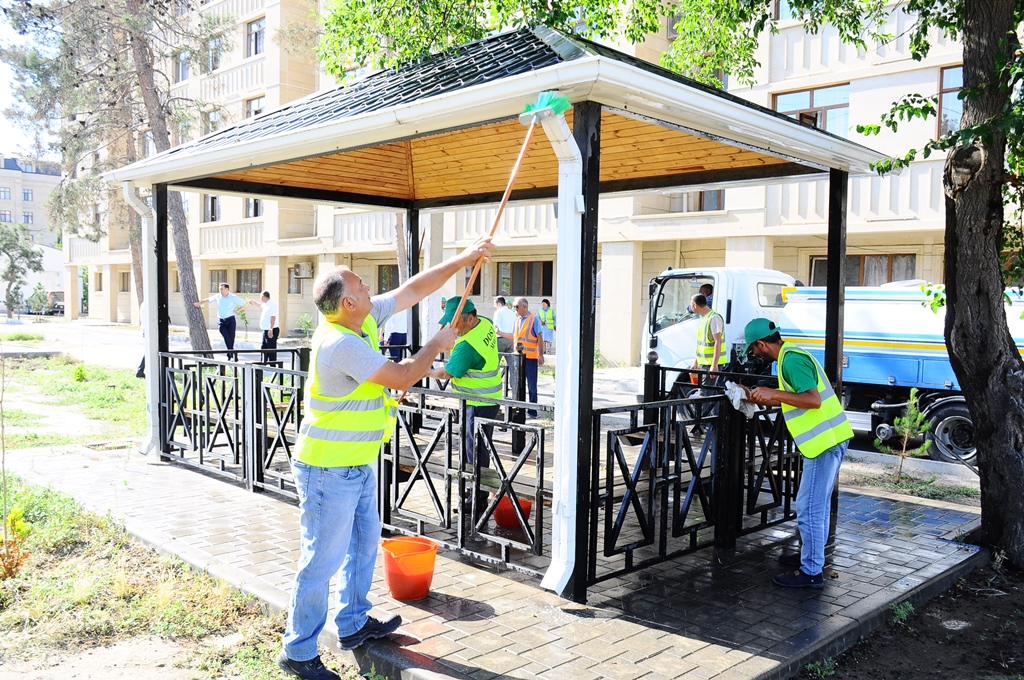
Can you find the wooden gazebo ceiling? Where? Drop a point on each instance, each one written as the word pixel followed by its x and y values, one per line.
pixel 477 162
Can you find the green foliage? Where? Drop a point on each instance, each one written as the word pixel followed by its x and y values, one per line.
pixel 306 323
pixel 22 336
pixel 901 611
pixel 385 34
pixel 825 668
pixel 245 320
pixel 911 425
pixel 79 374
pixel 18 257
pixel 37 300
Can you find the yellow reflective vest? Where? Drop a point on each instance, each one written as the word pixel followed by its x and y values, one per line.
pixel 814 430
pixel 485 382
pixel 344 431
pixel 706 342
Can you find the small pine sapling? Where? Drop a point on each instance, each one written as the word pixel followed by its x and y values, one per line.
pixel 912 425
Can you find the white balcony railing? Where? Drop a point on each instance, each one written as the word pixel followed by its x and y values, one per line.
pixel 245 77
pixel 369 229
pixel 82 250
pixel 231 238
pixel 519 221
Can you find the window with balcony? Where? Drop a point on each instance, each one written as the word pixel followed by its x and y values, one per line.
pixel 253 207
pixel 255 36
pixel 249 281
pixel 387 277
pixel 217 277
pixel 525 278
pixel 951 109
pixel 213 51
pixel 867 270
pixel 211 207
pixel 211 121
pixel 28 218
pixel 5 216
pixel 26 194
pixel 126 282
pixel 254 106
pixel 181 66
pixel 827 108
pixel 5 193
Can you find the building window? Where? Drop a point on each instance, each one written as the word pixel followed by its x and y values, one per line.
pixel 26 194
pixel 211 207
pixel 27 218
pixel 826 108
pixel 147 144
pixel 5 216
pixel 525 278
pixel 294 282
pixel 217 277
pixel 783 10
pixel 5 193
pixel 951 109
pixel 181 67
pixel 476 284
pixel 99 282
pixel 254 106
pixel 96 214
pixel 867 270
pixel 213 51
pixel 126 282
pixel 255 31
pixel 697 201
pixel 253 207
pixel 211 121
pixel 387 277
pixel 249 281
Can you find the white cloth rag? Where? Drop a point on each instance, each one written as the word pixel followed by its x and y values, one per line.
pixel 736 395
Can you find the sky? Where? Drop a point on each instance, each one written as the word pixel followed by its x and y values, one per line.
pixel 13 140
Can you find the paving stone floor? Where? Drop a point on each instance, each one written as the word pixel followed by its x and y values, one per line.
pixel 706 615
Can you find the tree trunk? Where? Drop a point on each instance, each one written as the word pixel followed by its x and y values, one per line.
pixel 157 114
pixel 981 349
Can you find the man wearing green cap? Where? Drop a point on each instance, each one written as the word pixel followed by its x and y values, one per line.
pixel 815 419
pixel 473 369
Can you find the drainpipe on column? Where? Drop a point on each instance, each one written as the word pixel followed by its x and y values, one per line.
pixel 149 323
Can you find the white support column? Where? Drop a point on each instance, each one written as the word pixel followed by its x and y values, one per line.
pixel 622 289
pixel 567 355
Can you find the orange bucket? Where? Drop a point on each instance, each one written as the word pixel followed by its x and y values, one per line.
pixel 409 566
pixel 695 378
pixel 505 515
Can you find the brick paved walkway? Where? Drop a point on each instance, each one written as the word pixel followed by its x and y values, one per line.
pixel 701 616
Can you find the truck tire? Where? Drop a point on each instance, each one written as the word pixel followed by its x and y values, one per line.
pixel 952 435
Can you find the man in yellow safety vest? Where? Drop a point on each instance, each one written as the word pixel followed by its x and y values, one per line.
pixel 348 414
pixel 815 419
pixel 710 333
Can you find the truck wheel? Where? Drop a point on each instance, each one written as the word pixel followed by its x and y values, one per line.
pixel 952 435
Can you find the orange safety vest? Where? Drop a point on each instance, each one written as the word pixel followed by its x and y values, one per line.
pixel 525 334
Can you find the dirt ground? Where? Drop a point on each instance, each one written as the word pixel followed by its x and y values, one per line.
pixel 974 630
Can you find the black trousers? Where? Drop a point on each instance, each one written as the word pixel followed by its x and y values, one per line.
pixel 270 342
pixel 227 331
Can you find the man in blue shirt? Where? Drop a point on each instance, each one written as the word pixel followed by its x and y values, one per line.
pixel 227 305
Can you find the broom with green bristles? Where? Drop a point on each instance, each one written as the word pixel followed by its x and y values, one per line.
pixel 548 105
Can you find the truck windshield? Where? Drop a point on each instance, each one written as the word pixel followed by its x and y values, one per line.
pixel 672 300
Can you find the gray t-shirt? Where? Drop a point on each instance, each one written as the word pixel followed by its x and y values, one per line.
pixel 345 361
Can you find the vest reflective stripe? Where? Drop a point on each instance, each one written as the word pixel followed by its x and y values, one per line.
pixel 524 334
pixel 548 317
pixel 344 431
pixel 706 341
pixel 486 381
pixel 814 430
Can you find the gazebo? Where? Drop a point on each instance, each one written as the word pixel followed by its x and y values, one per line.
pixel 445 132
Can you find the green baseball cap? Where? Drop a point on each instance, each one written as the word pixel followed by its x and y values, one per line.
pixel 758 329
pixel 451 306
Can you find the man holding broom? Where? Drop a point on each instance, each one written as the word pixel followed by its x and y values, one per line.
pixel 348 415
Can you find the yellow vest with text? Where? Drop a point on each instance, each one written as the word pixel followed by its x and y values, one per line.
pixel 706 341
pixel 485 382
pixel 344 431
pixel 815 430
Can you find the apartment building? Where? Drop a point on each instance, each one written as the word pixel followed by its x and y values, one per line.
pixel 25 187
pixel 895 224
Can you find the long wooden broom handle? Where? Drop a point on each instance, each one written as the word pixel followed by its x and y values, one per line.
pixel 494 228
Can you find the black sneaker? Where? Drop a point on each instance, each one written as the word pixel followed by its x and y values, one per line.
pixel 790 559
pixel 798 579
pixel 314 669
pixel 371 630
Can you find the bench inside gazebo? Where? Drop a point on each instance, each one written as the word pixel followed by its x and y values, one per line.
pixel 613 490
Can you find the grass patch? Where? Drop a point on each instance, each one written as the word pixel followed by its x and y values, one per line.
pixel 22 336
pixel 927 488
pixel 17 418
pixel 31 440
pixel 86 583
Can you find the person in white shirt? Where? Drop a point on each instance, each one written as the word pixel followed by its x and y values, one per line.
pixel 395 333
pixel 504 323
pixel 268 324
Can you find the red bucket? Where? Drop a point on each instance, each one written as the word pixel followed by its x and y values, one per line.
pixel 505 514
pixel 409 566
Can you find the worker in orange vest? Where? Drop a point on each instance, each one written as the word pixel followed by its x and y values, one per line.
pixel 528 332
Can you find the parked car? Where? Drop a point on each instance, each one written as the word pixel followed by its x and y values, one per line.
pixel 55 302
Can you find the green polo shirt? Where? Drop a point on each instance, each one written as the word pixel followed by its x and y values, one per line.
pixel 800 373
pixel 463 359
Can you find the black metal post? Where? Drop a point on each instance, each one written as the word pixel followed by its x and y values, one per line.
pixel 587 133
pixel 727 475
pixel 835 299
pixel 412 241
pixel 517 385
pixel 162 315
pixel 652 374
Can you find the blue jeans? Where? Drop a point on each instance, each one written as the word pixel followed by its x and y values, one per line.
pixel 340 530
pixel 814 505
pixel 472 412
pixel 531 383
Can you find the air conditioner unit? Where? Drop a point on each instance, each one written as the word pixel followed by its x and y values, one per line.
pixel 303 270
